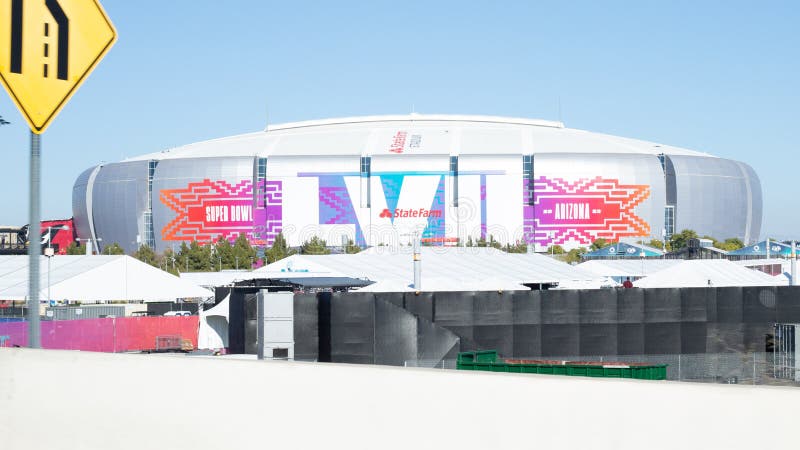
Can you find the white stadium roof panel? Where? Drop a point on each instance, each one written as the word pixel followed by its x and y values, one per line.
pixel 436 134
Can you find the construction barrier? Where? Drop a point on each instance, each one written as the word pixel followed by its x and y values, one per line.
pixel 121 334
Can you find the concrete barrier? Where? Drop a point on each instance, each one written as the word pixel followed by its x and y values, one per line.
pixel 66 400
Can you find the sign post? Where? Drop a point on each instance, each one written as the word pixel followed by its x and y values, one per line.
pixel 35 245
pixel 52 47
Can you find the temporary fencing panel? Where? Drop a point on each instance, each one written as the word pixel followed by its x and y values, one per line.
pixel 306 327
pixel 395 334
pixel 353 328
pixel 420 304
pixel 435 343
pixel 104 335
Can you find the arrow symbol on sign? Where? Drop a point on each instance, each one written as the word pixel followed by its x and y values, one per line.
pixel 62 66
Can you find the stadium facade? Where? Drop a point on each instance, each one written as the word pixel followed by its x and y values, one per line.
pixel 386 179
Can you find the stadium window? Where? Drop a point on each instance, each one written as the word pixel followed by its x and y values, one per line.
pixel 261 179
pixel 663 160
pixel 366 170
pixel 527 176
pixel 669 221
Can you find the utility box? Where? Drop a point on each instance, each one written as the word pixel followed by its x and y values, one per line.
pixel 275 325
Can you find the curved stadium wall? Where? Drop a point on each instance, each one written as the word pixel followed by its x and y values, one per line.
pixel 383 180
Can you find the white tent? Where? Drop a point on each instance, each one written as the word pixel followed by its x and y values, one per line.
pixel 706 273
pixel 213 331
pixel 443 269
pixel 214 279
pixel 95 278
pixel 619 269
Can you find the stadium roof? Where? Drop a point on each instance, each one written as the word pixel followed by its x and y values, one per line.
pixel 443 269
pixel 441 134
pixel 708 272
pixel 95 278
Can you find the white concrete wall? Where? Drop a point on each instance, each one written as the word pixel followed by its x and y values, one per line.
pixel 70 400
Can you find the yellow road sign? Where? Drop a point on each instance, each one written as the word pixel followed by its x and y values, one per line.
pixel 47 49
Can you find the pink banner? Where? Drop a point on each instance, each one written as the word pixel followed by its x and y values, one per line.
pixel 103 335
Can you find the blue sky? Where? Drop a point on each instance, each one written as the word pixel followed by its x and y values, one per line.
pixel 717 76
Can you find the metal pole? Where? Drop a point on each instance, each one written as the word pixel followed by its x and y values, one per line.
pixel 35 244
pixel 793 263
pixel 49 247
pixel 260 324
pixel 48 279
pixel 767 248
pixel 417 264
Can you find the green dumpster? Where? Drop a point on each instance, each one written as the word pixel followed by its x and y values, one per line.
pixel 487 360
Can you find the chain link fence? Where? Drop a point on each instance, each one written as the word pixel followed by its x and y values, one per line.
pixel 727 368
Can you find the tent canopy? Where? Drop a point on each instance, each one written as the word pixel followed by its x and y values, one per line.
pixel 95 278
pixel 627 267
pixel 760 249
pixel 708 272
pixel 625 250
pixel 443 269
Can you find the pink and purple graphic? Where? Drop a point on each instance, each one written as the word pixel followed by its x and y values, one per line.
pixel 336 206
pixel 209 210
pixel 584 211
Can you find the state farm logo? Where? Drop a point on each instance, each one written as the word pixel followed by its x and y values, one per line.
pixel 399 212
pixel 398 144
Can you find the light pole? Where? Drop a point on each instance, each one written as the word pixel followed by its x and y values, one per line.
pixel 49 253
pixel 88 242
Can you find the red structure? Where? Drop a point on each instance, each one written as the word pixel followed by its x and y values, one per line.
pixel 58 234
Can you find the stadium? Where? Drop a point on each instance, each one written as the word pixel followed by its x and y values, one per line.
pixel 445 179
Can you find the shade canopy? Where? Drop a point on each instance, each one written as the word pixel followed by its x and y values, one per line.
pixel 95 278
pixel 443 269
pixel 625 250
pixel 708 272
pixel 760 249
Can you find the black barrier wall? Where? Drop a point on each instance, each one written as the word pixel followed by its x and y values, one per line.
pixel 390 328
pixel 527 324
pixel 351 328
